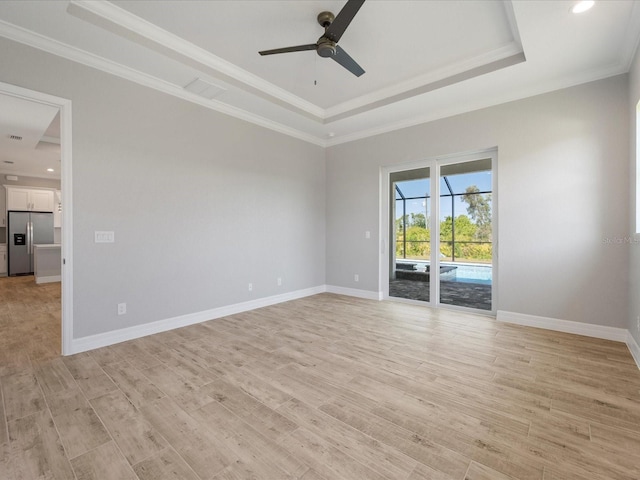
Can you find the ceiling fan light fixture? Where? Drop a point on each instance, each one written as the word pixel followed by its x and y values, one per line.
pixel 582 6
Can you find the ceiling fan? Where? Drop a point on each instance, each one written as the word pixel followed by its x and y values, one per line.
pixel 327 45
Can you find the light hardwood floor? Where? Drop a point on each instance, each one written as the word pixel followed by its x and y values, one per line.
pixel 325 387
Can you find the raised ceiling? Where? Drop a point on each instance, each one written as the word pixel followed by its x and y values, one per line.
pixel 423 59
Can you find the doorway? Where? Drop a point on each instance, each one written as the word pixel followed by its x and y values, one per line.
pixel 63 107
pixel 441 229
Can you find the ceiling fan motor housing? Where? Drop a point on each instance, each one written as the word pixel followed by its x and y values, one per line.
pixel 326 48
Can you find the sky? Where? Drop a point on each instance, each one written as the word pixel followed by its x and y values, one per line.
pixel 422 187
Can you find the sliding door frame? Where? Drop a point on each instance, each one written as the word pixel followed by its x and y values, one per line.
pixel 434 165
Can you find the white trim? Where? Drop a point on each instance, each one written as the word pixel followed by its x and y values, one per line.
pixel 46 44
pixel 632 38
pixel 354 292
pixel 128 25
pixel 116 336
pixel 49 279
pixel 66 187
pixel 487 62
pixel 109 15
pixel 55 47
pixel 479 104
pixel 434 164
pixel 634 348
pixel 567 326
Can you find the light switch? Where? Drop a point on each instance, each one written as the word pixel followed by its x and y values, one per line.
pixel 104 237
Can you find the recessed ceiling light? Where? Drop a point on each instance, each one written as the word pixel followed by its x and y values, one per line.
pixel 583 6
pixel 49 169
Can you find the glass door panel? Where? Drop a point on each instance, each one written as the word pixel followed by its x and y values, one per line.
pixel 410 234
pixel 465 241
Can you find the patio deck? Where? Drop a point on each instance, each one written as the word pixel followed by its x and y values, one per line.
pixel 462 294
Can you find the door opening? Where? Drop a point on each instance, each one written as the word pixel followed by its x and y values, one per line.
pixel 62 212
pixel 441 232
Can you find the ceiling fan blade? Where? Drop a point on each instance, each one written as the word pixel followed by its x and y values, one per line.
pixel 347 62
pixel 342 20
pixel 297 48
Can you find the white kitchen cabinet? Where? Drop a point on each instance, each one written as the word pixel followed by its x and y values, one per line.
pixel 3 260
pixel 57 209
pixel 29 199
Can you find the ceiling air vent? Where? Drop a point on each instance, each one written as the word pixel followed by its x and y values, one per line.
pixel 15 137
pixel 204 88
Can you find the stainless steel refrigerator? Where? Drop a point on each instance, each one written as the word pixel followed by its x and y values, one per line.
pixel 27 229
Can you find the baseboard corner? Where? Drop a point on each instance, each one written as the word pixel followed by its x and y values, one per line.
pixel 354 292
pixel 567 326
pixel 634 348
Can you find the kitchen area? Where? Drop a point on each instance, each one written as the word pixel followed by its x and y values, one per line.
pixel 30 190
pixel 30 228
pixel 31 209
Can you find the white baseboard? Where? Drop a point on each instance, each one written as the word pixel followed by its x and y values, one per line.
pixel 354 292
pixel 634 348
pixel 49 279
pixel 109 338
pixel 567 326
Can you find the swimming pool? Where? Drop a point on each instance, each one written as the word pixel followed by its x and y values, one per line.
pixel 470 273
pixel 463 272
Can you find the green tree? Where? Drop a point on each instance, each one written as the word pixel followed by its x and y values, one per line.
pixel 418 220
pixel 479 209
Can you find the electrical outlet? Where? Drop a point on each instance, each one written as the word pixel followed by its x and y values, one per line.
pixel 367 234
pixel 638 323
pixel 279 281
pixel 356 277
pixel 122 308
pixel 251 287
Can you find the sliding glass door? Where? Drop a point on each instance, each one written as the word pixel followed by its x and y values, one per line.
pixel 466 234
pixel 410 235
pixel 447 257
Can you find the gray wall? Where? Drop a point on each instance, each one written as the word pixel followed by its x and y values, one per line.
pixel 201 203
pixel 563 190
pixel 634 247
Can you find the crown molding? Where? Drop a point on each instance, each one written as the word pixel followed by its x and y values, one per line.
pixel 124 23
pixel 502 57
pixel 439 82
pixel 119 21
pixel 49 45
pixel 632 38
pixel 538 89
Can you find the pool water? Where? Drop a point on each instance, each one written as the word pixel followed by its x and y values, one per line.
pixel 471 273
pixel 464 272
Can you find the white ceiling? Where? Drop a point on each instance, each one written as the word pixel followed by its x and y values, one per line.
pixel 38 148
pixel 423 59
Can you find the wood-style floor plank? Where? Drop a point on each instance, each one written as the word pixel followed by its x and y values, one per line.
pixel 80 428
pixel 322 388
pixel 135 437
pixel 103 463
pixel 36 449
pixel 165 465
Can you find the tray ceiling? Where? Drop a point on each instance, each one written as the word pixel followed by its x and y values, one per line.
pixel 423 59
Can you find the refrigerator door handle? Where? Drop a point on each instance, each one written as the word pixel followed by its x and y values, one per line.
pixel 30 237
